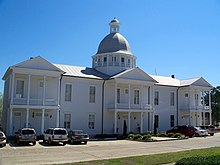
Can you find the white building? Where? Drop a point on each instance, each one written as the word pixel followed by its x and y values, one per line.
pixel 112 97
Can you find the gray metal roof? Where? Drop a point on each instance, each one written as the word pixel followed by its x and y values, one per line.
pixel 78 71
pixel 114 42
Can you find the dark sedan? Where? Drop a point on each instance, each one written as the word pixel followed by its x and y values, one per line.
pixel 78 136
pixel 184 130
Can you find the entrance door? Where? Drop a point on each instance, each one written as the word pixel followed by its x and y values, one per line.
pixel 16 121
pixel 124 127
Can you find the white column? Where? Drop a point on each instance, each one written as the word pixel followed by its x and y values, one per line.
pixel 44 91
pixel 29 88
pixel 141 96
pixel 141 122
pixel 12 87
pixel 190 117
pixel 209 100
pixel 11 122
pixel 129 96
pixel 129 122
pixel 196 118
pixel 210 118
pixel 42 121
pixel 57 122
pixel 115 95
pixel 115 123
pixel 27 117
pixel 58 92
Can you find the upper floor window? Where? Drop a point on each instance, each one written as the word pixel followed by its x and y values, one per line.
pixel 20 89
pixel 118 95
pixel 136 96
pixel 105 59
pixel 156 98
pixel 68 92
pixel 172 98
pixel 196 99
pixel 92 94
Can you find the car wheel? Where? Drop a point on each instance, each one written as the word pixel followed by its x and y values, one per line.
pixel 34 143
pixel 85 142
pixel 197 135
pixel 49 141
pixel 17 142
pixel 64 143
pixel 212 134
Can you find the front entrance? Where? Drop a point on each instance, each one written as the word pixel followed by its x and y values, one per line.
pixel 16 121
pixel 124 127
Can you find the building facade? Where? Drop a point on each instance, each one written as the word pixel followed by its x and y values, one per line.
pixel 112 97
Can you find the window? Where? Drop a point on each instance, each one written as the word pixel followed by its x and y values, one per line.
pixel 156 121
pixel 186 94
pixel 92 94
pixel 118 95
pixel 126 91
pixel 156 98
pixel 172 98
pixel 91 121
pixel 67 121
pixel 105 59
pixel 196 99
pixel 68 92
pixel 136 96
pixel 20 89
pixel 171 120
pixel 122 59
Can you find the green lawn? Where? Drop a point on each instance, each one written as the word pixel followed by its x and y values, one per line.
pixel 154 159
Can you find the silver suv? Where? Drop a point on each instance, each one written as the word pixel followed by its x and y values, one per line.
pixel 25 135
pixel 56 135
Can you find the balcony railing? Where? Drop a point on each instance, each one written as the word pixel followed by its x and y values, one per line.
pixel 131 107
pixel 35 102
pixel 196 108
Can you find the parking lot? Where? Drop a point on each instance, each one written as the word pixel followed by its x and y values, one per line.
pixel 42 153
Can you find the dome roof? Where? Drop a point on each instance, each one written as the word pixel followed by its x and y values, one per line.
pixel 114 42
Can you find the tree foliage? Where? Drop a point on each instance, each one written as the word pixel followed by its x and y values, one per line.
pixel 215 98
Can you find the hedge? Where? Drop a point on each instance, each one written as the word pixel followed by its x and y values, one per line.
pixel 199 160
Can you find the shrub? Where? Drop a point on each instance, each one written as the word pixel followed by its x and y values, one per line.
pixel 131 136
pixel 146 137
pixel 177 135
pixel 199 160
pixel 170 134
pixel 162 134
pixel 137 137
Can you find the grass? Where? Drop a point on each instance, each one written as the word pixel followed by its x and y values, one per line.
pixel 153 159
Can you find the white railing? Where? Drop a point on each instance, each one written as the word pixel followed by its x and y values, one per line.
pixel 36 102
pixel 132 106
pixel 195 108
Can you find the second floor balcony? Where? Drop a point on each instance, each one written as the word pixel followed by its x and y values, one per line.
pixel 133 107
pixel 35 102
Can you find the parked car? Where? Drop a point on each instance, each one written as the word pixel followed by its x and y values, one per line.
pixel 201 132
pixel 2 139
pixel 210 128
pixel 56 135
pixel 78 136
pixel 25 135
pixel 184 129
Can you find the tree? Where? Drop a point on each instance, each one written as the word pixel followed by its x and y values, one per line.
pixel 1 107
pixel 215 103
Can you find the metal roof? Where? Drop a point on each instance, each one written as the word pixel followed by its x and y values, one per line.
pixel 78 71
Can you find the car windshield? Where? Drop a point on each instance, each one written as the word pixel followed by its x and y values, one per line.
pixel 60 132
pixel 25 132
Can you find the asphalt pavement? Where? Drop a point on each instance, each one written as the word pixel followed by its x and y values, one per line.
pixel 96 150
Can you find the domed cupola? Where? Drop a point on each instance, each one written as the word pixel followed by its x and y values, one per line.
pixel 114 52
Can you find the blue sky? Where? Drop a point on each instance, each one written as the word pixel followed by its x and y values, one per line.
pixel 180 37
